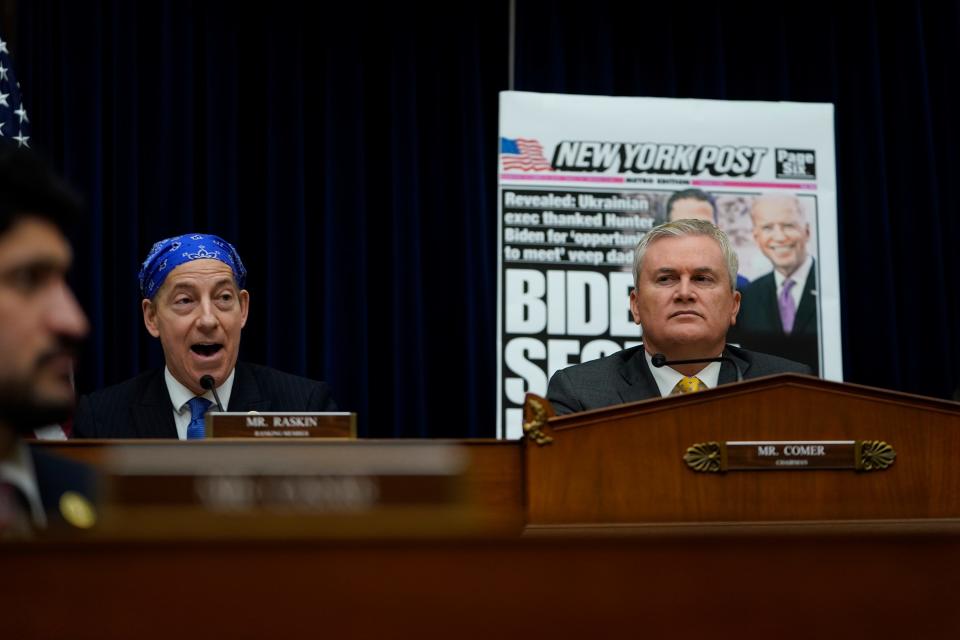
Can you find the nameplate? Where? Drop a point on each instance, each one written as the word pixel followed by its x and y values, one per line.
pixel 281 425
pixel 317 477
pixel 785 455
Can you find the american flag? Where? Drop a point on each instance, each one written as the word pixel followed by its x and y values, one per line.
pixel 525 154
pixel 14 122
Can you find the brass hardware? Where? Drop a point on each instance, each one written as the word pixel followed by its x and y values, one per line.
pixel 536 415
pixel 705 457
pixel 77 510
pixel 874 455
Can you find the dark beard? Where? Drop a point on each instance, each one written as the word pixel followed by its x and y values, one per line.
pixel 19 405
pixel 25 413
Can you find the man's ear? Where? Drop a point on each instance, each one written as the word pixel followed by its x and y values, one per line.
pixel 150 317
pixel 736 307
pixel 635 305
pixel 244 307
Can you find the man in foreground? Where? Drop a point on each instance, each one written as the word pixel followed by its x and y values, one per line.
pixel 41 325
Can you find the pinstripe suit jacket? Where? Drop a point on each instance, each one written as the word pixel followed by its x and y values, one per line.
pixel 141 406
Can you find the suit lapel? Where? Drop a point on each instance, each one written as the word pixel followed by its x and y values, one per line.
pixel 152 414
pixel 728 372
pixel 806 320
pixel 771 306
pixel 640 384
pixel 246 394
pixel 55 477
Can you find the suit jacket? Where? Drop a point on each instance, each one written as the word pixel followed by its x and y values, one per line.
pixel 55 477
pixel 759 327
pixel 141 407
pixel 625 377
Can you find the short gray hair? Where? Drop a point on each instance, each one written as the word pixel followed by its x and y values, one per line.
pixel 680 228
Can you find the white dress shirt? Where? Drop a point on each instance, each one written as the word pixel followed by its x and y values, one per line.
pixel 180 396
pixel 667 378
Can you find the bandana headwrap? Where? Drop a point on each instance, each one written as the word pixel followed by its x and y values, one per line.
pixel 167 255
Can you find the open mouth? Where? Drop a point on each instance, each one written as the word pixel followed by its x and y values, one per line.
pixel 206 350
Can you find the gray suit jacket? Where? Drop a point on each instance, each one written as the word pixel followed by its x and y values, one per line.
pixel 625 377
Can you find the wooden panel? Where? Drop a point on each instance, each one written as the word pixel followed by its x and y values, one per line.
pixel 858 586
pixel 625 464
pixel 494 480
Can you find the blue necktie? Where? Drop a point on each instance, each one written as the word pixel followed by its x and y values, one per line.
pixel 198 407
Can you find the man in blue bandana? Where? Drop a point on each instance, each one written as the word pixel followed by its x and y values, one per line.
pixel 195 303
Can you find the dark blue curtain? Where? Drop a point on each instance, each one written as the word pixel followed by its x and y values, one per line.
pixel 351 156
pixel 889 69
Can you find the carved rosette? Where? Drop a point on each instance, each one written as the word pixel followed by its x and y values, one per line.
pixel 875 455
pixel 536 418
pixel 704 457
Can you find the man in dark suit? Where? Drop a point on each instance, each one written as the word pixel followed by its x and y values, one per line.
pixel 779 310
pixel 40 326
pixel 685 300
pixel 194 301
pixel 696 204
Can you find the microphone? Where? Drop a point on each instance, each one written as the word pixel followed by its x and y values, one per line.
pixel 208 383
pixel 658 360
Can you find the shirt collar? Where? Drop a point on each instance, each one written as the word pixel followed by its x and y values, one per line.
pixel 667 378
pixel 799 276
pixel 181 395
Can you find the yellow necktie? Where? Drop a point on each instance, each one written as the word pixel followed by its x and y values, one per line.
pixel 688 385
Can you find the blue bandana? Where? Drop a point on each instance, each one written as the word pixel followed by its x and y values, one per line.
pixel 167 255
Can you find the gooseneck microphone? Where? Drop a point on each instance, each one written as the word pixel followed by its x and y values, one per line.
pixel 658 360
pixel 208 383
